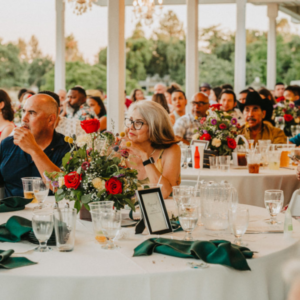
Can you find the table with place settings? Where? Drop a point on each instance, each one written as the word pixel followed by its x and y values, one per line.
pixel 250 187
pixel 89 272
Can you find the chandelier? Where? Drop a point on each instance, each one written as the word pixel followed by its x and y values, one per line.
pixel 81 6
pixel 144 10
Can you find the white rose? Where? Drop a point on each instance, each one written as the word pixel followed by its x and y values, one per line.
pixel 216 142
pixel 61 181
pixel 84 139
pixel 196 136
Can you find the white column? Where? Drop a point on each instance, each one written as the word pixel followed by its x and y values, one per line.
pixel 240 46
pixel 116 65
pixel 60 68
pixel 191 57
pixel 271 59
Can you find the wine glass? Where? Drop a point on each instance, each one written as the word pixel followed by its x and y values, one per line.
pixel 182 193
pixel 40 190
pixel 273 202
pixel 42 225
pixel 110 223
pixel 188 217
pixel 239 220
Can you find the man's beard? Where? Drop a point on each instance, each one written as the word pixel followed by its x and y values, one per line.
pixel 75 106
pixel 25 125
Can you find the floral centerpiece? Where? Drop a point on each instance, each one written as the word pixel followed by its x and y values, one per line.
pixel 220 129
pixel 92 170
pixel 286 114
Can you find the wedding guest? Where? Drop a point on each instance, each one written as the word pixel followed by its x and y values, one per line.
pixel 21 94
pixel 215 95
pixel 179 102
pixel 137 95
pixel 35 147
pixel 160 88
pixel 292 93
pixel 76 106
pixel 229 103
pixel 254 110
pixel 97 105
pixel 6 116
pixel 279 89
pixel 266 94
pixel 185 126
pixel 226 86
pixel 155 154
pixel 161 99
pixel 242 96
pixel 174 86
pixel 62 94
pixel 26 95
pixel 205 88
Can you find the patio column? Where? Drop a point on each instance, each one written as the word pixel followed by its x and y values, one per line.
pixel 60 68
pixel 240 47
pixel 191 59
pixel 271 59
pixel 116 65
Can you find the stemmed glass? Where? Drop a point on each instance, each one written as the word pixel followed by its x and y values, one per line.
pixel 188 217
pixel 273 202
pixel 40 190
pixel 182 193
pixel 239 220
pixel 110 223
pixel 42 225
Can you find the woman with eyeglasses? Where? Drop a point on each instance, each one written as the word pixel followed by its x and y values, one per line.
pixel 179 103
pixel 154 150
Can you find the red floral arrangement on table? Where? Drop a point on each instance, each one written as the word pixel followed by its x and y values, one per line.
pixel 92 171
pixel 220 129
pixel 285 115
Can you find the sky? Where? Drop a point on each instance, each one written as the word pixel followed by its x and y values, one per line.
pixel 24 18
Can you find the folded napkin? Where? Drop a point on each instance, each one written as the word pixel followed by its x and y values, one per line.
pixel 13 203
pixel 213 252
pixel 8 262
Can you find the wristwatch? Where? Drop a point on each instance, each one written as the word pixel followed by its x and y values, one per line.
pixel 148 161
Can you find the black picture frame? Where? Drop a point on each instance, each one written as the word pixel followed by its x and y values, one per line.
pixel 143 198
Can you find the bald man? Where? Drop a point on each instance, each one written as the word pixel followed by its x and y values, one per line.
pixel 185 126
pixel 160 88
pixel 35 147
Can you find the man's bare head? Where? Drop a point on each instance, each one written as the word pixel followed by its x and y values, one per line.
pixel 40 113
pixel 200 104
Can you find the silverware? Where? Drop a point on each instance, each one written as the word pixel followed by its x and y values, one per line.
pixel 263 232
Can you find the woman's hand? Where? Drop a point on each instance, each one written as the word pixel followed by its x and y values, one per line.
pixel 138 151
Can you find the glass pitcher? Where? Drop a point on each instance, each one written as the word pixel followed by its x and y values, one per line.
pixel 216 200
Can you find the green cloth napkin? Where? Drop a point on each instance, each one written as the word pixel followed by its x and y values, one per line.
pixel 213 252
pixel 8 262
pixel 14 229
pixel 13 204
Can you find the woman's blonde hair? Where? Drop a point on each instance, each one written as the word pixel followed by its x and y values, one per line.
pixel 161 132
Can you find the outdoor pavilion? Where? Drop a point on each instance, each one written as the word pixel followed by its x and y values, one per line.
pixel 116 47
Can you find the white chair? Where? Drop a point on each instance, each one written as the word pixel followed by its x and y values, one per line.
pixel 295 204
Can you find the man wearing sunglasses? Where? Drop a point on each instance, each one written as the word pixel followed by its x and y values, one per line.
pixel 185 126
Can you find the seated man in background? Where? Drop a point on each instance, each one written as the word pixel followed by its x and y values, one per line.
pixel 75 105
pixel 279 90
pixel 160 88
pixel 254 111
pixel 292 93
pixel 185 126
pixel 229 102
pixel 35 147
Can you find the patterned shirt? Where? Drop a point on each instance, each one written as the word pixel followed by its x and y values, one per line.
pixel 81 114
pixel 185 126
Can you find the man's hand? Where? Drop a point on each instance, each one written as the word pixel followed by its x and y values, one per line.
pixel 25 140
pixel 298 172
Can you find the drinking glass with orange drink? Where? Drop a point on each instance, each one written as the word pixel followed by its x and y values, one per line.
pixel 286 149
pixel 28 188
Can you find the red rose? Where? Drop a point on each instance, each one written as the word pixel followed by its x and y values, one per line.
pixel 72 180
pixel 288 118
pixel 85 165
pixel 113 186
pixel 205 137
pixel 216 106
pixel 222 126
pixel 238 126
pixel 90 126
pixel 284 110
pixel 279 99
pixel 231 143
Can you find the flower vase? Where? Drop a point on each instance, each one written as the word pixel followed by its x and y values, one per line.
pixel 84 214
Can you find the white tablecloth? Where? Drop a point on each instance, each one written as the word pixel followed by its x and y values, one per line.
pixel 250 187
pixel 92 273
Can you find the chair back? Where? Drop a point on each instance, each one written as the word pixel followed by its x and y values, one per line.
pixel 295 204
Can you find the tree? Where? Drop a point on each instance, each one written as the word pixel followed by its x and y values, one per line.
pixel 72 51
pixel 34 51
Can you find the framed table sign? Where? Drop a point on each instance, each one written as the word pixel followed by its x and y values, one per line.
pixel 154 211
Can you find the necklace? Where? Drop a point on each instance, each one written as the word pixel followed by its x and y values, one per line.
pixel 153 152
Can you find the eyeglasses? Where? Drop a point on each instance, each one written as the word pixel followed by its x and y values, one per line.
pixel 203 90
pixel 199 103
pixel 137 125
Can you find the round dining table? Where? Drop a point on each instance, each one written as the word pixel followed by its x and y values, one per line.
pixel 250 187
pixel 90 272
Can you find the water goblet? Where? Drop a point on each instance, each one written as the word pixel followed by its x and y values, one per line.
pixel 273 202
pixel 239 220
pixel 40 190
pixel 182 193
pixel 188 218
pixel 42 225
pixel 110 224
